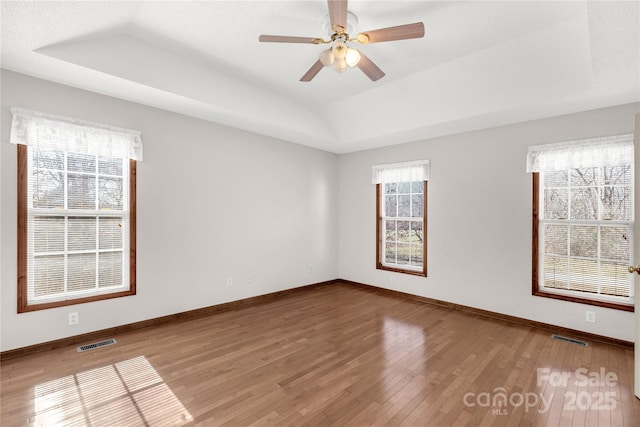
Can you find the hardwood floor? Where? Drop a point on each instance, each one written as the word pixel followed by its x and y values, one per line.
pixel 336 355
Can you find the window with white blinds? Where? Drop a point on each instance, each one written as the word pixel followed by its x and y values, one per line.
pixel 584 220
pixel 401 213
pixel 76 189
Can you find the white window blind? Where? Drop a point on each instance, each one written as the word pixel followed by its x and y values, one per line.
pixel 586 217
pixel 77 205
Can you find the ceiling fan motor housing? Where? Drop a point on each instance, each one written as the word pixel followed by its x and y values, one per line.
pixel 352 25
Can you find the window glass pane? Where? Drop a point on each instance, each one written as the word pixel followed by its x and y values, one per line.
pixel 556 239
pixel 110 193
pixel 617 175
pixel 390 252
pixel 404 187
pixel 403 231
pixel 48 189
pixel 614 243
pixel 48 159
pixel 110 166
pixel 403 253
pixel 81 191
pixel 390 206
pixel 584 241
pixel 404 205
pixel 615 278
pixel 48 234
pixel 82 233
pixel 48 275
pixel 82 272
pixel 556 272
pixel 81 163
pixel 417 204
pixel 416 232
pixel 616 203
pixel 556 179
pixel 390 188
pixel 583 275
pixel 417 187
pixel 556 204
pixel 111 233
pixel 110 269
pixel 416 255
pixel 390 231
pixel 584 203
pixel 584 177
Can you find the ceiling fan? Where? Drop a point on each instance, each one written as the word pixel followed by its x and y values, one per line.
pixel 340 56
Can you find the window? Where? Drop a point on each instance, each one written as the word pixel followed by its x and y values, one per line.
pixel 583 221
pixel 76 210
pixel 401 211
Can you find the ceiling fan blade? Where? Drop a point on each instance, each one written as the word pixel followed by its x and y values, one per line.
pixel 315 69
pixel 338 14
pixel 401 32
pixel 289 39
pixel 369 68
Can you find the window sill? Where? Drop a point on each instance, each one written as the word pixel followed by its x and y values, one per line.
pixel 606 304
pixel 44 306
pixel 421 273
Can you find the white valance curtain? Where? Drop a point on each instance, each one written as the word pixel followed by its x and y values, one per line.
pixel 594 152
pixel 72 135
pixel 417 170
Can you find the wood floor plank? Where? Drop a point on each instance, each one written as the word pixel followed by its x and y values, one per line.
pixel 335 355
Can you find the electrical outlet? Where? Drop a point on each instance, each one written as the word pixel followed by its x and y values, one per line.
pixel 74 318
pixel 310 269
pixel 591 317
pixel 250 279
pixel 229 281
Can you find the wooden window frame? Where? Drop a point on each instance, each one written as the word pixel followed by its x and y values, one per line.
pixel 379 264
pixel 535 261
pixel 23 305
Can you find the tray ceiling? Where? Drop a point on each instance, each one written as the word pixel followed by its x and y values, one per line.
pixel 481 64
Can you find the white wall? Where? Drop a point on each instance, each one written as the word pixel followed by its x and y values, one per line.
pixel 479 219
pixel 213 202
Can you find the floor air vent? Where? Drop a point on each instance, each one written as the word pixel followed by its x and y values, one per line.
pixel 571 340
pixel 87 347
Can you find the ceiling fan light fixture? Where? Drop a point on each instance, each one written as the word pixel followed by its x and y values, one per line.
pixel 327 57
pixel 352 57
pixel 339 49
pixel 340 65
pixel 362 38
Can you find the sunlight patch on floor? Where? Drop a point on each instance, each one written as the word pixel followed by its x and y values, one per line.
pixel 127 393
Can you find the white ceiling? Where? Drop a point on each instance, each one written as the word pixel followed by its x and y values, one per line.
pixel 481 63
